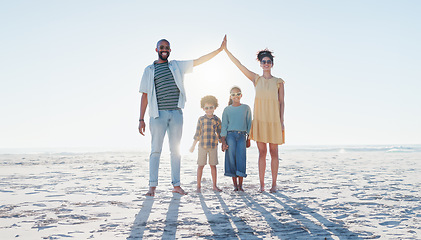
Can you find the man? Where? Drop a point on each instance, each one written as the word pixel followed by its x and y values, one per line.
pixel 162 87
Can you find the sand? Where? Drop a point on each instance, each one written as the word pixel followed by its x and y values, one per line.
pixel 335 194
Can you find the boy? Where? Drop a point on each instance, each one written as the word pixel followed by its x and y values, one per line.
pixel 208 134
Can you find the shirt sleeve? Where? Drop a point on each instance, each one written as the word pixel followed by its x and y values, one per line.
pixel 198 130
pixel 218 128
pixel 144 83
pixel 185 66
pixel 279 81
pixel 248 119
pixel 224 127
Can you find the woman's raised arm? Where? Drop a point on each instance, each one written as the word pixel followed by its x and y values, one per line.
pixel 249 74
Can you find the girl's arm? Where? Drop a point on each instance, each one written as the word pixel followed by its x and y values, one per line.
pixel 281 103
pixel 249 74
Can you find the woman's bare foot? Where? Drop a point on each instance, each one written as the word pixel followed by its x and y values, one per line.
pixel 199 190
pixel 273 189
pixel 261 190
pixel 217 189
pixel 179 190
pixel 151 192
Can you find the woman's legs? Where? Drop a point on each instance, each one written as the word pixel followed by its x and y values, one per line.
pixel 262 164
pixel 274 165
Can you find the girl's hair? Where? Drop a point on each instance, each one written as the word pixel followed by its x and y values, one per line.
pixel 265 53
pixel 210 100
pixel 235 87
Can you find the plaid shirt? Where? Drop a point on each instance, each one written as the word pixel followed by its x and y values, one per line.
pixel 208 131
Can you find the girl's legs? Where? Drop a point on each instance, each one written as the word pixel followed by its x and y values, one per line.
pixel 262 164
pixel 274 165
pixel 199 177
pixel 240 184
pixel 234 181
pixel 213 173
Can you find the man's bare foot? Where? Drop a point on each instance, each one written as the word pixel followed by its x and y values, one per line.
pixel 217 189
pixel 179 190
pixel 151 192
pixel 273 189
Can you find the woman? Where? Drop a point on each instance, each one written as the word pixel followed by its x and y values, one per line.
pixel 268 116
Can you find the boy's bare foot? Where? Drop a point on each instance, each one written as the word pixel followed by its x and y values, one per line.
pixel 273 189
pixel 261 190
pixel 151 192
pixel 179 190
pixel 217 189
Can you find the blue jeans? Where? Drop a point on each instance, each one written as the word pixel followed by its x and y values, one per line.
pixel 235 155
pixel 170 121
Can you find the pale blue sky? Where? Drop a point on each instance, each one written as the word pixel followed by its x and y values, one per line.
pixel 71 69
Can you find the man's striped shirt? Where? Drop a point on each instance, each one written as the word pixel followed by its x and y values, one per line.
pixel 167 92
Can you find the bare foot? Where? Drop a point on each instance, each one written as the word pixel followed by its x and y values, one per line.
pixel 240 188
pixel 198 190
pixel 151 192
pixel 179 190
pixel 235 189
pixel 261 190
pixel 273 189
pixel 217 189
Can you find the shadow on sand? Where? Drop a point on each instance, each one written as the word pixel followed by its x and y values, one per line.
pixel 293 220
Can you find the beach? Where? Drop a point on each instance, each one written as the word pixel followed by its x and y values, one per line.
pixel 368 192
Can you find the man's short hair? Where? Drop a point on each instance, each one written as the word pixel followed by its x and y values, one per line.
pixel 162 40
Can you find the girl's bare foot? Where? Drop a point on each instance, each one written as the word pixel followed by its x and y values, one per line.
pixel 235 189
pixel 217 189
pixel 179 190
pixel 151 192
pixel 240 188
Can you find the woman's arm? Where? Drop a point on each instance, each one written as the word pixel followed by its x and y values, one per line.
pixel 281 103
pixel 249 74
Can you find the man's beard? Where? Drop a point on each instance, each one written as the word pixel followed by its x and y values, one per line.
pixel 163 58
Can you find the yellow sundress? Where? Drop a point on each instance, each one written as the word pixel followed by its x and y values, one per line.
pixel 266 125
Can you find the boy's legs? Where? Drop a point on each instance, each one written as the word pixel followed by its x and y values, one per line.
pixel 213 161
pixel 199 177
pixel 201 162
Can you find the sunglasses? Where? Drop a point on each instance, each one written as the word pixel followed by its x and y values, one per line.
pixel 235 94
pixel 266 61
pixel 207 108
pixel 164 47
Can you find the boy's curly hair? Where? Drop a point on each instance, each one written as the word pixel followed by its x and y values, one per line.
pixel 210 100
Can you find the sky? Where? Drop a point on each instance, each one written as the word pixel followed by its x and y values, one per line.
pixel 70 70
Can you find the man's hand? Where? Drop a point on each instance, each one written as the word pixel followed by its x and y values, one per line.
pixel 142 127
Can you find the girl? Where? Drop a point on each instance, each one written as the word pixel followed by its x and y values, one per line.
pixel 268 118
pixel 236 124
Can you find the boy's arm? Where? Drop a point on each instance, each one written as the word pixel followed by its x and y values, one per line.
pixel 193 145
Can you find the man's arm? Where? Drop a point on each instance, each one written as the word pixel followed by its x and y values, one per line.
pixel 209 56
pixel 143 105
